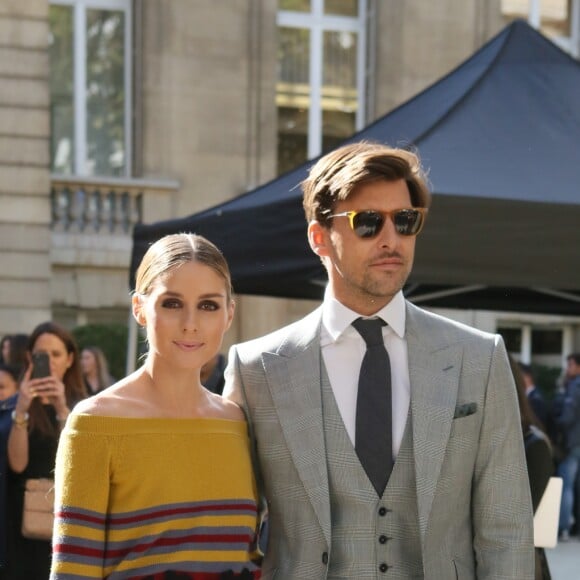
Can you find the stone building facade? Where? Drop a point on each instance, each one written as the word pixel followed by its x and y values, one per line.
pixel 203 103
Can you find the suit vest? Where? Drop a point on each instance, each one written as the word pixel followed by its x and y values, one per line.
pixel 372 537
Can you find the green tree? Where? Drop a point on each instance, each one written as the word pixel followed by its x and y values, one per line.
pixel 111 339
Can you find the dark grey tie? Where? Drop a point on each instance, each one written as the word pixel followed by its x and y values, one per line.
pixel 373 436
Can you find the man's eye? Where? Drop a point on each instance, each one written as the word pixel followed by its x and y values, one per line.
pixel 171 303
pixel 209 305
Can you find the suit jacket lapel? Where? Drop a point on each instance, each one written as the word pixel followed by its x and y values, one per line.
pixel 434 368
pixel 294 379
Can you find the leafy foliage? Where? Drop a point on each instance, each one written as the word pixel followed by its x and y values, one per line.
pixel 111 339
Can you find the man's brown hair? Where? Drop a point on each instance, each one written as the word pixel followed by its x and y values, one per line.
pixel 336 175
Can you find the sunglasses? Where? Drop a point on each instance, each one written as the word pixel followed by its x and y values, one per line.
pixel 369 222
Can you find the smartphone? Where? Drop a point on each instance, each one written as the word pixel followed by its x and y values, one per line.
pixel 40 365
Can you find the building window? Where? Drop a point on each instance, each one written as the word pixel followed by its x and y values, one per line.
pixel 90 90
pixel 557 19
pixel 321 63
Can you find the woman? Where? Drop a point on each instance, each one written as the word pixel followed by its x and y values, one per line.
pixel 95 369
pixel 154 473
pixel 539 459
pixel 41 410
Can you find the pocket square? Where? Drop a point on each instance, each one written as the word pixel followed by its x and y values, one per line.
pixel 464 410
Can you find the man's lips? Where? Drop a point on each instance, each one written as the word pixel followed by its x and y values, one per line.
pixel 390 261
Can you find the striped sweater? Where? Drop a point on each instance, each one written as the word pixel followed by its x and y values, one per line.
pixel 153 499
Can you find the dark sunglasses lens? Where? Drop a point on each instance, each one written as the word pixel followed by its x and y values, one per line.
pixel 367 224
pixel 408 221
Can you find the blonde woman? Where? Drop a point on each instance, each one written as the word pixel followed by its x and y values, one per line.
pixel 153 475
pixel 95 369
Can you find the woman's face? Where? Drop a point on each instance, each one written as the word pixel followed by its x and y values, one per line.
pixel 60 358
pixel 88 362
pixel 186 315
pixel 8 386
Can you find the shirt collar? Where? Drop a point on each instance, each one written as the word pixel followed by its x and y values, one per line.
pixel 336 317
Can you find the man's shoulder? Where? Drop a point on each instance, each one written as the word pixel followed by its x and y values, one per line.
pixel 446 327
pixel 293 334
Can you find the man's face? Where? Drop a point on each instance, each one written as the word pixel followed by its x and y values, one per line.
pixel 364 274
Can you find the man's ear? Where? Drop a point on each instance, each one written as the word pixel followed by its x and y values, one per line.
pixel 137 307
pixel 317 238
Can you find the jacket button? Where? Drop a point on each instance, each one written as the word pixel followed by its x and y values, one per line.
pixel 383 567
pixel 383 511
pixel 325 558
pixel 383 539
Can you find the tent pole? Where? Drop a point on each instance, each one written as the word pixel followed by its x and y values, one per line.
pixel 131 344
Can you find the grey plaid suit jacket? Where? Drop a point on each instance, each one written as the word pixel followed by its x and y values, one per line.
pixel 474 506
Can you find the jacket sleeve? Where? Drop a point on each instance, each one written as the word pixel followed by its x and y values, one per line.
pixel 502 506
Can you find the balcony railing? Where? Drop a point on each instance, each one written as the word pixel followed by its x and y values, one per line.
pixel 104 205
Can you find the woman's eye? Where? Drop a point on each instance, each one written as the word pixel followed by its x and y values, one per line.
pixel 209 305
pixel 171 303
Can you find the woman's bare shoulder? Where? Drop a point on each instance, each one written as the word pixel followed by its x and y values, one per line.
pixel 225 409
pixel 118 400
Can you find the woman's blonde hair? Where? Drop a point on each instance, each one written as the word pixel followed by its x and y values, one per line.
pixel 174 250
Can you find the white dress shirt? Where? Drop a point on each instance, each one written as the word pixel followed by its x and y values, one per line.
pixel 343 349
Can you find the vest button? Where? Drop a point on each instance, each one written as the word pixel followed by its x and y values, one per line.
pixel 325 558
pixel 383 539
pixel 383 567
pixel 383 511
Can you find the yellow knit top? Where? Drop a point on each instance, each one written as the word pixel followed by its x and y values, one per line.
pixel 154 498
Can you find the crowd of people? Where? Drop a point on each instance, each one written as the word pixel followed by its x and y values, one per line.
pixel 33 411
pixel 559 417
pixel 371 439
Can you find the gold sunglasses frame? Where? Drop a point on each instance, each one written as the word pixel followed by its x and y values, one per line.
pixel 386 214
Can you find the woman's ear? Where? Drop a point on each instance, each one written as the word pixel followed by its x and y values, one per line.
pixel 317 238
pixel 138 310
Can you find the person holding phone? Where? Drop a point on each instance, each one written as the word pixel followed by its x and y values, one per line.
pixel 51 386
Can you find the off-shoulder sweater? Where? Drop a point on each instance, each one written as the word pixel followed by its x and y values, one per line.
pixel 153 499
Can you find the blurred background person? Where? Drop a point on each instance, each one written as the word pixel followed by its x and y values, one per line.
pixel 567 418
pixel 8 393
pixel 41 409
pixel 18 352
pixel 535 397
pixel 95 370
pixel 539 459
pixel 8 381
pixel 4 348
pixel 212 374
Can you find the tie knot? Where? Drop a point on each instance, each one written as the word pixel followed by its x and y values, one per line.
pixel 371 330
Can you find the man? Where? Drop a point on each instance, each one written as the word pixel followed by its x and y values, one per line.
pixel 568 419
pixel 441 492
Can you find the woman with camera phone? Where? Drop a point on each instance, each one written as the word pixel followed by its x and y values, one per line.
pixel 50 387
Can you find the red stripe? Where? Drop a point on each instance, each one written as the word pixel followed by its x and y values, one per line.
pixel 177 511
pixel 78 550
pixel 194 539
pixel 159 542
pixel 71 514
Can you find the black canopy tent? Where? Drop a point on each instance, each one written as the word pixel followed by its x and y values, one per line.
pixel 500 136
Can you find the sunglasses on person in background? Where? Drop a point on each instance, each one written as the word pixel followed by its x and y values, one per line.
pixel 369 222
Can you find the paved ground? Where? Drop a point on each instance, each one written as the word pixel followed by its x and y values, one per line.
pixel 564 560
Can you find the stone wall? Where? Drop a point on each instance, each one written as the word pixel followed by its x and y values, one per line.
pixel 24 165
